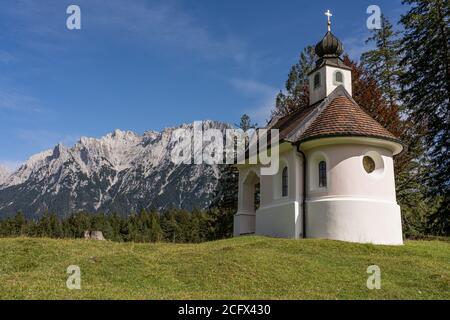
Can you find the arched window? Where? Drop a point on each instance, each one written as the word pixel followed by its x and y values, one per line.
pixel 257 196
pixel 284 182
pixel 322 174
pixel 317 80
pixel 339 77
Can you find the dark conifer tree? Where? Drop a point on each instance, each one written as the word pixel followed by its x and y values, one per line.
pixel 383 62
pixel 425 50
pixel 225 200
pixel 297 86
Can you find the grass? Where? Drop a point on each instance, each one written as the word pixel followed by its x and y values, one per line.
pixel 241 268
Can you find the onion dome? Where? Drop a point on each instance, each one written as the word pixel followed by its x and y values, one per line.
pixel 329 47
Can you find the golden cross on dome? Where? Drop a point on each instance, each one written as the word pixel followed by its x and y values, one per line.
pixel 329 15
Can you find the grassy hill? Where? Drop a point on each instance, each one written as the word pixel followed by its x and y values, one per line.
pixel 242 268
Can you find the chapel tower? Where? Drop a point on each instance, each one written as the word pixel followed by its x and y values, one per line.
pixel 330 71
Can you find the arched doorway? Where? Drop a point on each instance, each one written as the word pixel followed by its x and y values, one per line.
pixel 249 203
pixel 251 192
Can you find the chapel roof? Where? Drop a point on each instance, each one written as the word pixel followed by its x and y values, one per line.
pixel 338 115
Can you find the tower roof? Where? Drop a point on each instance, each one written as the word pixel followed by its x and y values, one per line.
pixel 329 47
pixel 329 50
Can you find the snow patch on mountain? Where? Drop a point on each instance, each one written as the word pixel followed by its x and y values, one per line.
pixel 120 172
pixel 4 173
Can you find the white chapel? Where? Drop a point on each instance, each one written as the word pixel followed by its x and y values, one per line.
pixel 336 173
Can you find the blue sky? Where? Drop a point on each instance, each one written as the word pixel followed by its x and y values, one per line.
pixel 145 65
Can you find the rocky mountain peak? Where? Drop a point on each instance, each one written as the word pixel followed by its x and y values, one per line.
pixel 119 172
pixel 4 173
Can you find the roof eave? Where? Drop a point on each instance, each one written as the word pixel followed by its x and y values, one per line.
pixel 397 148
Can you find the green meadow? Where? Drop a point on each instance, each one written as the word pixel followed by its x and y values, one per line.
pixel 240 268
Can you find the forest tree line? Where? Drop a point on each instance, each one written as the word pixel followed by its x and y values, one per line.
pixel 173 225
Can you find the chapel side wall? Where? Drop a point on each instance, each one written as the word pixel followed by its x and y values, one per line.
pixel 355 206
pixel 279 216
pixel 346 174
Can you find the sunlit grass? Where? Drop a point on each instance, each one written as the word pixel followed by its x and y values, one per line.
pixel 242 268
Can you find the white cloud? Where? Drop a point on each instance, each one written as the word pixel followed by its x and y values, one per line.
pixel 14 100
pixel 6 57
pixel 263 94
pixel 141 21
pixel 356 46
pixel 167 23
pixel 45 139
pixel 251 87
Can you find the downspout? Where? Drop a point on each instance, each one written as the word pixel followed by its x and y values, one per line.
pixel 304 192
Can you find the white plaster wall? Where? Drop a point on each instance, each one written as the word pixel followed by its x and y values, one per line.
pixel 245 218
pixel 355 206
pixel 271 189
pixel 328 85
pixel 332 85
pixel 280 220
pixel 346 174
pixel 244 224
pixel 278 216
pixel 320 92
pixel 353 220
pixel 245 194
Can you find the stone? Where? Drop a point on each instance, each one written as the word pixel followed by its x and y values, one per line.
pixel 94 235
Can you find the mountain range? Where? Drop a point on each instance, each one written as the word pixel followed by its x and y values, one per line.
pixel 121 172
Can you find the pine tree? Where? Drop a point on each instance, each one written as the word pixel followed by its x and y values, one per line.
pixel 246 123
pixel 170 226
pixel 409 170
pixel 297 85
pixel 156 233
pixel 50 226
pixel 383 62
pixel 369 96
pixel 225 200
pixel 19 225
pixel 116 222
pixel 425 50
pixel 77 224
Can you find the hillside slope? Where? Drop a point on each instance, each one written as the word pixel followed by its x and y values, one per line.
pixel 243 268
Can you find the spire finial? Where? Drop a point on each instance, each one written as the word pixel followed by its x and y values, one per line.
pixel 329 15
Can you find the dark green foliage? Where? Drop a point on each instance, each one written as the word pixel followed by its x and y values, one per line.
pixel 173 225
pixel 225 203
pixel 246 123
pixel 425 51
pixel 383 62
pixel 221 223
pixel 297 87
pixel 383 65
